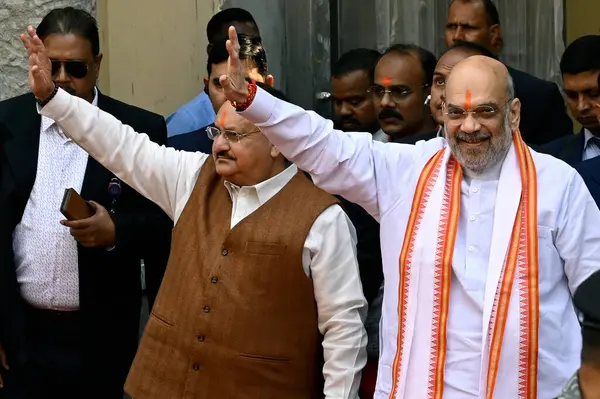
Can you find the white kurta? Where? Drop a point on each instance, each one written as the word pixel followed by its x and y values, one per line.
pixel 382 179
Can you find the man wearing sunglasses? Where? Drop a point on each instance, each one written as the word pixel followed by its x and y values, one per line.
pixel 79 290
pixel 403 79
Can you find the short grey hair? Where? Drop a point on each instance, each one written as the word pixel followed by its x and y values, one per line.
pixel 510 87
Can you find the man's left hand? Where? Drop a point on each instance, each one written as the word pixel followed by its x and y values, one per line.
pixel 97 231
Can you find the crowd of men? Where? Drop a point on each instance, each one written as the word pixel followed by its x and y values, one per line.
pixel 437 239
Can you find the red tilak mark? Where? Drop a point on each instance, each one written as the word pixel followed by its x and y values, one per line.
pixel 222 119
pixel 468 100
pixel 386 81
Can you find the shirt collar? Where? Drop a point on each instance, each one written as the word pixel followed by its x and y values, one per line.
pixel 267 189
pixel 440 132
pixel 587 136
pixel 381 136
pixel 47 123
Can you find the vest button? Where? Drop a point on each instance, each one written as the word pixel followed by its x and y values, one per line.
pixel 224 252
pixel 201 338
pixel 206 309
pixel 196 366
pixel 214 279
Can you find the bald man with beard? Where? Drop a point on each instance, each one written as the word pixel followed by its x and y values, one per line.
pixel 516 235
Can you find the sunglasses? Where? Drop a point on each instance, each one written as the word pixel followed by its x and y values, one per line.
pixel 75 69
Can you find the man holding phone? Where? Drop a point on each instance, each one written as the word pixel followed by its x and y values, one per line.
pixel 69 322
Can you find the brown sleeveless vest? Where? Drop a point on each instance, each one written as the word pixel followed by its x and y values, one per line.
pixel 235 316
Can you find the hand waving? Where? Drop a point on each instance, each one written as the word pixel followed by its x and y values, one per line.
pixel 40 68
pixel 234 82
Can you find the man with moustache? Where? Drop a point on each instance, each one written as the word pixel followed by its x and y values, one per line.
pixel 70 327
pixel 543 112
pixel 580 69
pixel 262 296
pixel 351 77
pixel 452 56
pixel 481 268
pixel 402 85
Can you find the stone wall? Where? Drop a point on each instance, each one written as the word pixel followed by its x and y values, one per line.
pixel 15 15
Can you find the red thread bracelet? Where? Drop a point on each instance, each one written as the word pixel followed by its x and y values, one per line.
pixel 249 98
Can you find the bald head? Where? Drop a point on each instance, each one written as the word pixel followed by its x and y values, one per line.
pixel 480 78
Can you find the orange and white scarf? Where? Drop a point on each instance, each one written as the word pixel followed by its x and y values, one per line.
pixel 511 308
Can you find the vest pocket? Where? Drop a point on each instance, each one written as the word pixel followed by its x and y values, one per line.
pixel 263 358
pixel 265 248
pixel 162 320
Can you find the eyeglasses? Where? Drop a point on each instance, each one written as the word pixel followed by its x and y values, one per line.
pixel 481 113
pixel 231 136
pixel 397 93
pixel 75 69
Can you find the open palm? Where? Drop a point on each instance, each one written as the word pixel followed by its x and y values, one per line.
pixel 40 67
pixel 234 84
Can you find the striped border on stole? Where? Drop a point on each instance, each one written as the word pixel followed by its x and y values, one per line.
pixel 522 256
pixel 529 282
pixel 426 182
pixel 447 231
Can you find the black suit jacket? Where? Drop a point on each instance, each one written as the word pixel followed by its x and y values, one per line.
pixel 568 148
pixel 543 111
pixel 414 138
pixel 109 281
pixel 192 142
pixel 590 172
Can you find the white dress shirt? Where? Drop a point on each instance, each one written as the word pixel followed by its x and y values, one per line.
pixel 167 177
pixel 382 179
pixel 45 252
pixel 591 148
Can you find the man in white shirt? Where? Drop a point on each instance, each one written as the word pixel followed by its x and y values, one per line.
pixel 71 327
pixel 515 237
pixel 206 335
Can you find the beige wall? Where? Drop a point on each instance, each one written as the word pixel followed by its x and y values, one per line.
pixel 582 18
pixel 154 50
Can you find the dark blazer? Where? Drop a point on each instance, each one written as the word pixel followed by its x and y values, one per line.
pixel 9 290
pixel 109 281
pixel 192 142
pixel 543 111
pixel 590 172
pixel 413 138
pixel 568 148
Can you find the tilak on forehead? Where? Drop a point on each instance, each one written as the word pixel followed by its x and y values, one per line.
pixel 386 80
pixel 222 118
pixel 468 100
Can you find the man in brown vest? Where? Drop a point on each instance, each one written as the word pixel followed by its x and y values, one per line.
pixel 262 295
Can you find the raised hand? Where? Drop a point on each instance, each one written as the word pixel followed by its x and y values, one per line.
pixel 40 67
pixel 234 84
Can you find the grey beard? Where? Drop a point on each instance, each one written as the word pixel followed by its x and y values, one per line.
pixel 477 161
